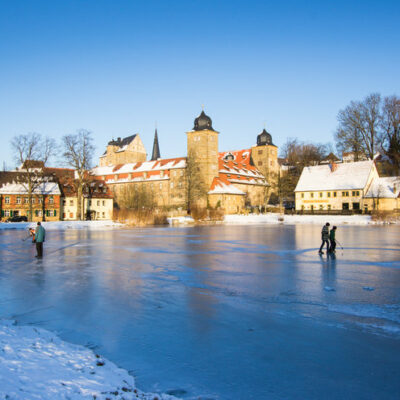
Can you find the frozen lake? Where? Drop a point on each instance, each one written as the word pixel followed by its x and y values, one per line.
pixel 220 312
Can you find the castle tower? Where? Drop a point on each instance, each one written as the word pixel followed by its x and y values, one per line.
pixel 202 149
pixel 265 157
pixel 156 149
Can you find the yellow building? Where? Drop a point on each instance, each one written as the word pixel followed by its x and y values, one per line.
pixel 351 186
pixel 121 151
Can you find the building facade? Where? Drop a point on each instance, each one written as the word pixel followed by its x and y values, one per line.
pixel 231 180
pixel 350 186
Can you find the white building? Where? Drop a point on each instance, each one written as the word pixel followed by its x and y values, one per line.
pixel 335 186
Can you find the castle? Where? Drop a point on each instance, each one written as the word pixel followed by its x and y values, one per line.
pixel 231 180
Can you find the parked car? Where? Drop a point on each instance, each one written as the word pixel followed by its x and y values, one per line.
pixel 18 218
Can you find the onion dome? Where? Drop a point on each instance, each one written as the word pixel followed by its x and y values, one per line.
pixel 264 139
pixel 203 122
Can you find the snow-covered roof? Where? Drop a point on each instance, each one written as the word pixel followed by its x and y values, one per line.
pixel 343 176
pixel 387 188
pixel 239 170
pixel 220 187
pixel 42 188
pixel 145 166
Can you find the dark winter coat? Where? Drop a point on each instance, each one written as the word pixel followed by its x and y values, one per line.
pixel 40 234
pixel 325 233
pixel 332 234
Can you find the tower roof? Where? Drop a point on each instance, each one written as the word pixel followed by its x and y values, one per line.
pixel 203 122
pixel 156 149
pixel 264 139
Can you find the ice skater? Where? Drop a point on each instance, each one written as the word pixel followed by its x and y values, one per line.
pixel 325 238
pixel 40 235
pixel 332 239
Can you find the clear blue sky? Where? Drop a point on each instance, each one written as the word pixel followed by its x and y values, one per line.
pixel 115 67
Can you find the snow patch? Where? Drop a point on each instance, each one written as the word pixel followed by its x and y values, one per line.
pixel 273 218
pixel 63 225
pixel 36 364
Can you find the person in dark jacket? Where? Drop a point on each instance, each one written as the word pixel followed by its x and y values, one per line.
pixel 332 239
pixel 40 235
pixel 325 238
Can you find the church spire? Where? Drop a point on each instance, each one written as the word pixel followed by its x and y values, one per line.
pixel 156 150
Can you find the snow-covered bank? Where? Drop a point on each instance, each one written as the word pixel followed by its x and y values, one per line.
pixel 63 225
pixel 271 218
pixel 36 364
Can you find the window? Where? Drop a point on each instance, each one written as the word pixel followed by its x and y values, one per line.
pixel 18 200
pixel 98 202
pixel 6 213
pixel 312 195
pixel 26 200
pixel 90 202
pixel 260 151
pixel 71 215
pixel 321 207
pixel 329 206
pixel 302 195
pixel 334 194
pixel 329 194
pixel 51 200
pixel 33 200
pixel 104 214
pixel 38 213
pixel 103 202
pixel 7 200
pixel 71 202
pixel 320 194
pixel 40 201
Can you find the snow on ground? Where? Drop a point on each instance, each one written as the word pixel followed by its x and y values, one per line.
pixel 63 225
pixel 180 220
pixel 272 218
pixel 36 364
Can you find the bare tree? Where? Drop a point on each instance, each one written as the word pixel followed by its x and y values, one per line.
pixel 78 154
pixel 196 187
pixel 390 136
pixel 32 152
pixel 297 155
pixel 359 126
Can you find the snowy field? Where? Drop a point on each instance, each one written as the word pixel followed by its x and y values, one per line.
pixel 206 312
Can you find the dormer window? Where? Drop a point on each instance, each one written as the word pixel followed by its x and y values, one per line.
pixel 229 157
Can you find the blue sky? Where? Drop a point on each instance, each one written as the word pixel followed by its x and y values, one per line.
pixel 115 67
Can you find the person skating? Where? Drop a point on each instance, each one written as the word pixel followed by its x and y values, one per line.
pixel 325 238
pixel 40 235
pixel 332 239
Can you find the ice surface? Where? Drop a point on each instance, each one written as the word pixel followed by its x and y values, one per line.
pixel 220 312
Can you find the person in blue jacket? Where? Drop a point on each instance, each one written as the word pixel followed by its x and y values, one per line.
pixel 40 235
